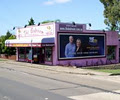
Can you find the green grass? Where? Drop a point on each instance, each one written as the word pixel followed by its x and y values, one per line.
pixel 113 69
pixel 2 60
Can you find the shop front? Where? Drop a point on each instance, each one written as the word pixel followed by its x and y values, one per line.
pixel 35 55
pixel 34 44
pixel 65 44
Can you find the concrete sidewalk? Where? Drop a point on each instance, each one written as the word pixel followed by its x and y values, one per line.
pixel 63 69
pixel 37 68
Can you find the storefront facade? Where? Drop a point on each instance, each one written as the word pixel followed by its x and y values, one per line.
pixel 65 44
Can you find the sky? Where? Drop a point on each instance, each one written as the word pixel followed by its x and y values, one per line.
pixel 18 12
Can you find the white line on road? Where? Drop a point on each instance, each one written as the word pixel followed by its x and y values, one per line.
pixel 98 96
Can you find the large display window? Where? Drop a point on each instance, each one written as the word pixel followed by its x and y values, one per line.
pixel 21 53
pixel 72 46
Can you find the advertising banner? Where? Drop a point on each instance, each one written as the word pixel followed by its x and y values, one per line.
pixel 81 45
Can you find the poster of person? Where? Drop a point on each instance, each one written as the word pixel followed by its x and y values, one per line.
pixel 81 45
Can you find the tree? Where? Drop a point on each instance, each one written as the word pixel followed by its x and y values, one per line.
pixel 31 22
pixel 112 14
pixel 50 21
pixel 8 34
pixel 3 48
pixel 2 38
pixel 47 21
pixel 10 50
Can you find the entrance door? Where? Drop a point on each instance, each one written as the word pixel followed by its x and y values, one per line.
pixel 36 55
pixel 42 55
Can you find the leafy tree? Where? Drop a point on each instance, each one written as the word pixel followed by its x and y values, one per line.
pixel 49 21
pixel 3 48
pixel 10 50
pixel 57 20
pixel 2 38
pixel 31 22
pixel 8 34
pixel 112 14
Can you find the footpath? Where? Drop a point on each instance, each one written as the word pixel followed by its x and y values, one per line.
pixel 63 69
pixel 66 70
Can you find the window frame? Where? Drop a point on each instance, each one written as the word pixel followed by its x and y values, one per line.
pixel 112 52
pixel 46 59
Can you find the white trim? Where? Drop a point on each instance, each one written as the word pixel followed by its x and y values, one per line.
pixel 40 40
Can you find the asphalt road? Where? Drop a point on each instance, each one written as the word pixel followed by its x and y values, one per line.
pixel 22 83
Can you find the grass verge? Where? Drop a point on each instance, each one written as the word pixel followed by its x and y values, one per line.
pixel 2 59
pixel 113 69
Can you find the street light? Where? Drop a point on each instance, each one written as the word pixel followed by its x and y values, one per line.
pixel 73 23
pixel 103 30
pixel 39 24
pixel 25 26
pixel 16 27
pixel 89 25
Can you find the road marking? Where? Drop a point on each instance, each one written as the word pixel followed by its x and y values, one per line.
pixel 6 98
pixel 46 98
pixel 98 96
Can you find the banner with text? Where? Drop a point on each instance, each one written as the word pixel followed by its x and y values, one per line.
pixel 81 45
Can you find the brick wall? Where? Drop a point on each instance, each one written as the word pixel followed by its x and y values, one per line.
pixel 12 57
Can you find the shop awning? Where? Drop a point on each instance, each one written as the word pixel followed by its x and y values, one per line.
pixel 30 42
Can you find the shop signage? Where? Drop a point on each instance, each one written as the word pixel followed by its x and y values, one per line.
pixel 19 45
pixel 36 32
pixel 24 45
pixel 29 45
pixel 71 27
pixel 47 45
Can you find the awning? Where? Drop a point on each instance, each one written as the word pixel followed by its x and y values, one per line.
pixel 30 42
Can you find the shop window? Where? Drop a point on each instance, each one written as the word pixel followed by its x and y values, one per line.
pixel 30 54
pixel 36 55
pixel 42 51
pixel 111 52
pixel 21 53
pixel 48 53
pixel 27 52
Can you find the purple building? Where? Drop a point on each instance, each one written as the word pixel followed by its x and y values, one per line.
pixel 65 44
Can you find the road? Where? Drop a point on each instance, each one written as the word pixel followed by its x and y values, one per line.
pixel 22 83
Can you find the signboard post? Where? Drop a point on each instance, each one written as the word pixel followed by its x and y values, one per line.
pixel 31 52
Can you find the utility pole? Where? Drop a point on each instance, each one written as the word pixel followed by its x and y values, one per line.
pixel 31 52
pixel 0 48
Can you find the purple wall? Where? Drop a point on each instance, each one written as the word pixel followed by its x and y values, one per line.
pixel 111 40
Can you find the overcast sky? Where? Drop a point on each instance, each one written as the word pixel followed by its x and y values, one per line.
pixel 18 12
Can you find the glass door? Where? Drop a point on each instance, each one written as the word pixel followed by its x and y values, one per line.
pixel 42 55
